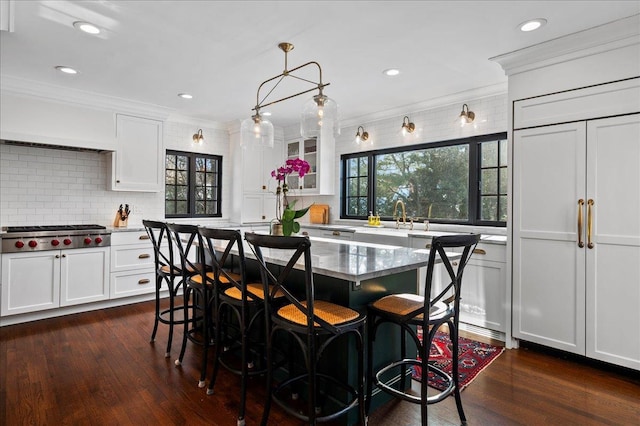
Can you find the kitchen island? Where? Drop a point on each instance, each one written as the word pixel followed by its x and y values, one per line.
pixel 354 274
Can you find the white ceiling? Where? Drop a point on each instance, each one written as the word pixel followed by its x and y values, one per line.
pixel 220 51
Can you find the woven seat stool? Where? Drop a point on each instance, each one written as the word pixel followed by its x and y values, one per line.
pixel 240 309
pixel 299 321
pixel 168 271
pixel 410 311
pixel 199 288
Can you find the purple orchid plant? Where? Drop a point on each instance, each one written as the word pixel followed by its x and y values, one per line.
pixel 288 215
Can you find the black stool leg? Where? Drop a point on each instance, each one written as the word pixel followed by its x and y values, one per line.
pixel 454 371
pixel 157 319
pixel 370 379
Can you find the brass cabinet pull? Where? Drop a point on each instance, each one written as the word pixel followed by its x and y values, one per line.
pixel 264 187
pixel 144 281
pixel 336 233
pixel 144 256
pixel 589 223
pixel 143 237
pixel 428 245
pixel 479 251
pixel 580 204
pixel 305 233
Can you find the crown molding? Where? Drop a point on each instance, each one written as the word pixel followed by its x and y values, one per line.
pixel 196 121
pixel 613 35
pixel 36 89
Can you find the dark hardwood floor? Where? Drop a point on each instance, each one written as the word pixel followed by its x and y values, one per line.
pixel 98 368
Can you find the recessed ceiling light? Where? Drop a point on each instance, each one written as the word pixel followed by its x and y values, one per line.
pixel 532 24
pixel 391 72
pixel 66 70
pixel 86 27
pixel 185 96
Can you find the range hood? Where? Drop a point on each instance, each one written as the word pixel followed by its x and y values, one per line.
pixel 49 146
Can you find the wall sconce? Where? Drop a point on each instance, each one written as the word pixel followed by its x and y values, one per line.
pixel 361 135
pixel 466 116
pixel 198 137
pixel 407 126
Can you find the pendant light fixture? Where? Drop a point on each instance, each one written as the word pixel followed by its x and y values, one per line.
pixel 466 116
pixel 320 112
pixel 361 135
pixel 407 126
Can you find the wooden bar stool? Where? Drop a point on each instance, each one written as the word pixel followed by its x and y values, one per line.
pixel 167 271
pixel 199 288
pixel 409 311
pixel 312 326
pixel 239 320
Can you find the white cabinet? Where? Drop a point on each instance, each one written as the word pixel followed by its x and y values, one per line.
pixel 258 207
pixel 484 288
pixel 483 302
pixel 335 234
pixel 319 153
pixel 258 188
pixel 137 163
pixel 132 264
pixel 576 233
pixel 50 279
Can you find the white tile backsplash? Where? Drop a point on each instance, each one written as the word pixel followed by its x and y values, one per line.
pixel 41 186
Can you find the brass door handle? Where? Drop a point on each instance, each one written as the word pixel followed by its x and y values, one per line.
pixel 580 204
pixel 589 223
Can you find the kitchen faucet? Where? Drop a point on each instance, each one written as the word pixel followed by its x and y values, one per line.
pixel 404 215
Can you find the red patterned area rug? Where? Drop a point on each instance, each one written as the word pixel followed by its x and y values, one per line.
pixel 474 357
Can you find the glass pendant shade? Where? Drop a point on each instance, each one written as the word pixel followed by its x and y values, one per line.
pixel 256 132
pixel 318 112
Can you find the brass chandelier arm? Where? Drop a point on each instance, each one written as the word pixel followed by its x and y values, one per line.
pixel 287 73
pixel 257 107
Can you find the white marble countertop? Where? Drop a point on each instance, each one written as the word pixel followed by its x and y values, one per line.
pixel 354 261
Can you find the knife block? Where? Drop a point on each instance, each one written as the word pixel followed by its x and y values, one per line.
pixel 118 222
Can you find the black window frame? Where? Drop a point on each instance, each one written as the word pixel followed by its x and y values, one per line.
pixel 191 196
pixel 474 202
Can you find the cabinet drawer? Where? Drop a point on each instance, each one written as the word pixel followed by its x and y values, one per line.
pixel 126 238
pixel 131 283
pixel 132 257
pixel 492 252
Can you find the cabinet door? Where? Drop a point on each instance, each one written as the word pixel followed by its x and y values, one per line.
pixel 548 266
pixel 137 165
pixel 30 282
pixel 483 294
pixel 84 276
pixel 613 262
pixel 252 208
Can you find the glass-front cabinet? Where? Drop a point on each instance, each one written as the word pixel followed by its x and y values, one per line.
pixel 319 155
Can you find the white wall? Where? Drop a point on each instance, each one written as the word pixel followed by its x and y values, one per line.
pixel 41 186
pixel 432 125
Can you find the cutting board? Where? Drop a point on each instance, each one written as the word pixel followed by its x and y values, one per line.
pixel 319 213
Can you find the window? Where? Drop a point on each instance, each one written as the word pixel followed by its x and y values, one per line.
pixel 192 185
pixel 461 181
pixel 357 173
pixel 493 178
